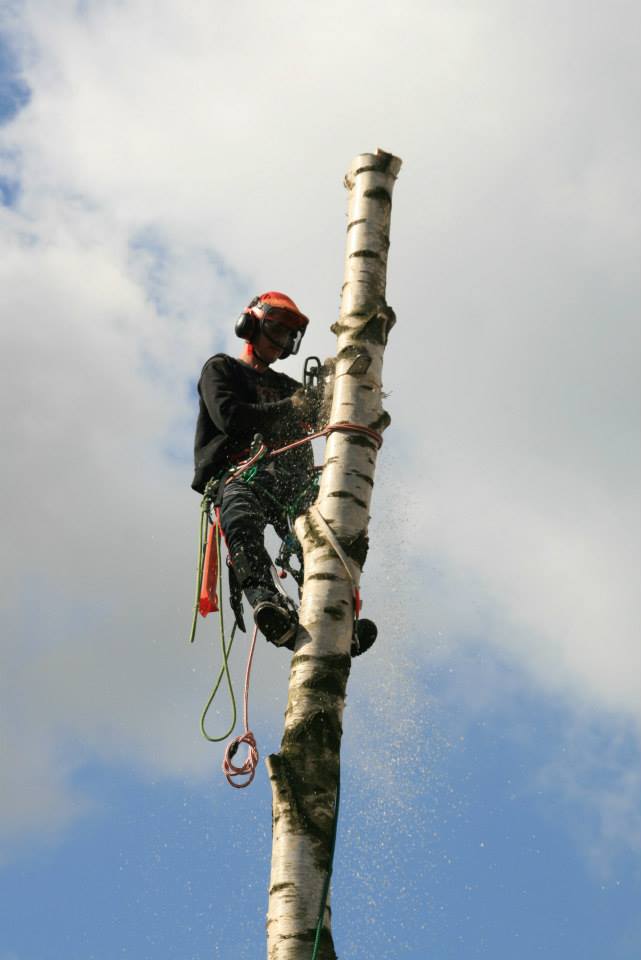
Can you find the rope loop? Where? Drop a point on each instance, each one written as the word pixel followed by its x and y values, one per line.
pixel 246 769
pixel 342 426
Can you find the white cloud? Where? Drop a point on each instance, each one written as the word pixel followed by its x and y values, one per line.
pixel 174 162
pixel 600 776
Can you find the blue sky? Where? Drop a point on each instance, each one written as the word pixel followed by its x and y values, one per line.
pixel 14 94
pixel 486 865
pixel 153 178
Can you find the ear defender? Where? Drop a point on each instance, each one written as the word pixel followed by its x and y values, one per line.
pixel 246 327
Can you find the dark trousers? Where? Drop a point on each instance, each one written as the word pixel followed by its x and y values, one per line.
pixel 245 510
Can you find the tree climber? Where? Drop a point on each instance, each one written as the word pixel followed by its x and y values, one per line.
pixel 238 399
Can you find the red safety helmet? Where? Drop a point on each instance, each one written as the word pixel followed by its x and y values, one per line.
pixel 266 313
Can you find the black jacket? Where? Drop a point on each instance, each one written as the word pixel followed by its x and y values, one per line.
pixel 235 403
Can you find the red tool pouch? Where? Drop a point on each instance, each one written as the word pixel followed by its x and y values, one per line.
pixel 208 602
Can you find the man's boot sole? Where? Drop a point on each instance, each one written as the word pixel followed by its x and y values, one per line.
pixel 275 623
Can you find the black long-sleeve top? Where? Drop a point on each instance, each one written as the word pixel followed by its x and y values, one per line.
pixel 235 403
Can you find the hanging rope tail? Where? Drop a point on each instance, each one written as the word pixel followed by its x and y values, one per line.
pixel 225 650
pixel 248 768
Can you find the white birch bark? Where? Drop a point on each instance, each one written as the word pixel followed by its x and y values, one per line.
pixel 304 773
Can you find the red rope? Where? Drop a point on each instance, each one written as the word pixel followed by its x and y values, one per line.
pixel 342 427
pixel 248 768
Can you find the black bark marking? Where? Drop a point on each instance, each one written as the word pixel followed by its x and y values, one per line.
pixel 332 683
pixel 323 576
pixel 313 533
pixel 280 886
pixel 361 476
pixel 347 495
pixel 355 223
pixel 338 661
pixel 336 613
pixel 379 193
pixel 380 162
pixel 360 440
pixel 326 944
pixel 368 254
pixel 330 555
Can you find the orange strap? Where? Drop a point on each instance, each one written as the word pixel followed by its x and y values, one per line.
pixel 208 602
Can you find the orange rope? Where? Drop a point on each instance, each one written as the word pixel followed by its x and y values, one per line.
pixel 248 768
pixel 342 427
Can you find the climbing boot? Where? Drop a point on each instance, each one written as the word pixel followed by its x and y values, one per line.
pixel 365 633
pixel 276 620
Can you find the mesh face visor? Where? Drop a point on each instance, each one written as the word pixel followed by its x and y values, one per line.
pixel 283 328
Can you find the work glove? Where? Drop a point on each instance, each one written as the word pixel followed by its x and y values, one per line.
pixel 307 402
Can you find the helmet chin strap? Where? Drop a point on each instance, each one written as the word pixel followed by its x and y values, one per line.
pixel 264 329
pixel 262 359
pixel 252 354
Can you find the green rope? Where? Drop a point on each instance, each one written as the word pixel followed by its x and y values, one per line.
pixel 225 667
pixel 291 508
pixel 321 915
pixel 202 540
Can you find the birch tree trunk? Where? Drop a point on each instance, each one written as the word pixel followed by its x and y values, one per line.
pixel 304 774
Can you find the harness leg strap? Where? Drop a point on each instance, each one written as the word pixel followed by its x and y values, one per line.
pixel 235 596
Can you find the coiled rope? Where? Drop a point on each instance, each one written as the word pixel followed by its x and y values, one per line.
pixel 248 768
